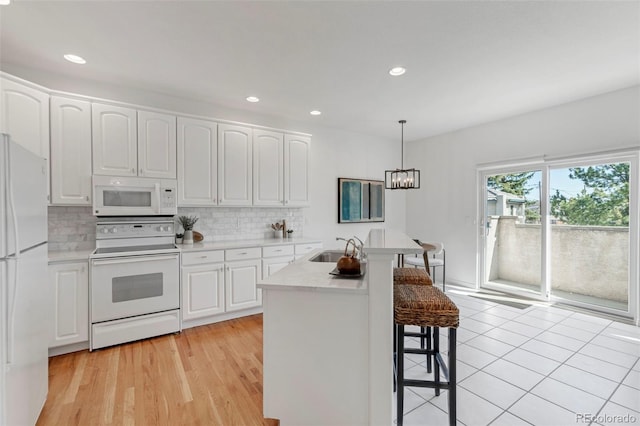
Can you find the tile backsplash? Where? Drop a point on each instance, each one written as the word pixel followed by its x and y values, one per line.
pixel 71 228
pixel 242 223
pixel 74 228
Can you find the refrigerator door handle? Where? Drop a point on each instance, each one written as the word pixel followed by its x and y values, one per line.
pixel 12 208
pixel 16 256
pixel 12 288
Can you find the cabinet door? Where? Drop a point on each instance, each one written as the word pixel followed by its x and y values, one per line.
pixel 202 291
pixel 273 265
pixel 156 145
pixel 69 303
pixel 197 162
pixel 115 143
pixel 24 115
pixel 241 281
pixel 296 170
pixel 234 165
pixel 268 168
pixel 70 151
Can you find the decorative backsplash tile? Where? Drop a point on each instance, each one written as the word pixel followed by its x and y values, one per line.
pixel 242 223
pixel 71 228
pixel 74 228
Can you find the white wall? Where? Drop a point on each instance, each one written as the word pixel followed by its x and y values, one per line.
pixel 446 209
pixel 334 153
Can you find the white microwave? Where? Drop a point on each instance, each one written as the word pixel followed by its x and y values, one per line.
pixel 134 196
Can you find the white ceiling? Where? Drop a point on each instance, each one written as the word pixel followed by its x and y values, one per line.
pixel 467 62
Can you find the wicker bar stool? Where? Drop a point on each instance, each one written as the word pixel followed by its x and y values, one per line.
pixel 411 276
pixel 415 276
pixel 426 306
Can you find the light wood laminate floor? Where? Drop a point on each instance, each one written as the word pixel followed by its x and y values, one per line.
pixel 209 375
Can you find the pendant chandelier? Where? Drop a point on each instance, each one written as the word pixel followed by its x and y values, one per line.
pixel 402 178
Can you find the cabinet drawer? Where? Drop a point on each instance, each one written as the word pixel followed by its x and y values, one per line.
pixel 275 251
pixel 306 248
pixel 242 253
pixel 201 257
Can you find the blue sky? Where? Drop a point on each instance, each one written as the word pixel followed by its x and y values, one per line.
pixel 559 180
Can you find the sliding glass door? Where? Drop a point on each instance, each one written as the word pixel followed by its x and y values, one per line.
pixel 564 231
pixel 513 233
pixel 590 239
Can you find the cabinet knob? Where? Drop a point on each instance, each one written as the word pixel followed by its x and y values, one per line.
pixel 141 172
pixel 87 198
pixel 133 171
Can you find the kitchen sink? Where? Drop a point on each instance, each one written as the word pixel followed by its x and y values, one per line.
pixel 327 256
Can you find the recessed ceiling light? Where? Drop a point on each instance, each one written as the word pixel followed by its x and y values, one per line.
pixel 4 2
pixel 396 71
pixel 315 112
pixel 75 59
pixel 253 99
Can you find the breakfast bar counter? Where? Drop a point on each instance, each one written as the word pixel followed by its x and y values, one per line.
pixel 328 339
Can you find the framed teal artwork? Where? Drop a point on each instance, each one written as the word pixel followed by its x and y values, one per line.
pixel 360 200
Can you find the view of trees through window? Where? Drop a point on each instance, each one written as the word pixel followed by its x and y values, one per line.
pixel 603 201
pixel 588 196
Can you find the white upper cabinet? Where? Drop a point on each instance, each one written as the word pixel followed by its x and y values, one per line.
pixel 296 170
pixel 114 140
pixel 268 168
pixel 24 114
pixel 234 165
pixel 70 151
pixel 156 145
pixel 197 162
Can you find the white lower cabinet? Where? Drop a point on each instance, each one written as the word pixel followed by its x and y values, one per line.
pixel 202 290
pixel 302 249
pixel 241 281
pixel 215 285
pixel 272 265
pixel 69 307
pixel 275 258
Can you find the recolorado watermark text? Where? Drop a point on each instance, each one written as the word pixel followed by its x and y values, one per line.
pixel 605 418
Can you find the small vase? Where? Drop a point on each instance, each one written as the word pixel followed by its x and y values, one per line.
pixel 188 237
pixel 277 233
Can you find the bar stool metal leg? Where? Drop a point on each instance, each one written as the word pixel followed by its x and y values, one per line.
pixel 400 375
pixel 452 376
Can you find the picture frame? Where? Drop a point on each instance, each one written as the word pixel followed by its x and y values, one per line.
pixel 360 200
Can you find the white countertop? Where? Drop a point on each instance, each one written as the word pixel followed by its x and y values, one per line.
pixel 384 241
pixel 69 255
pixel 312 276
pixel 221 245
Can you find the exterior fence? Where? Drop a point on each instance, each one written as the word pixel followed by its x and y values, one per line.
pixel 586 260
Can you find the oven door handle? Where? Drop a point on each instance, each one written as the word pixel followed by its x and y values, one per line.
pixel 100 262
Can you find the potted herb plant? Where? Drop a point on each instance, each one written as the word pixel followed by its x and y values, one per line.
pixel 187 223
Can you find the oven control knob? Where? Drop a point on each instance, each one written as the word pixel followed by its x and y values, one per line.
pixel 114 230
pixel 160 228
pixel 169 228
pixel 104 231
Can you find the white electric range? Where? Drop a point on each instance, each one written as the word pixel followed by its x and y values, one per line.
pixel 134 280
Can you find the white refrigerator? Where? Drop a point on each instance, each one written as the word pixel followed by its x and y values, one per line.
pixel 23 284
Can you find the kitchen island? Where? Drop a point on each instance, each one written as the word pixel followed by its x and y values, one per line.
pixel 328 340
